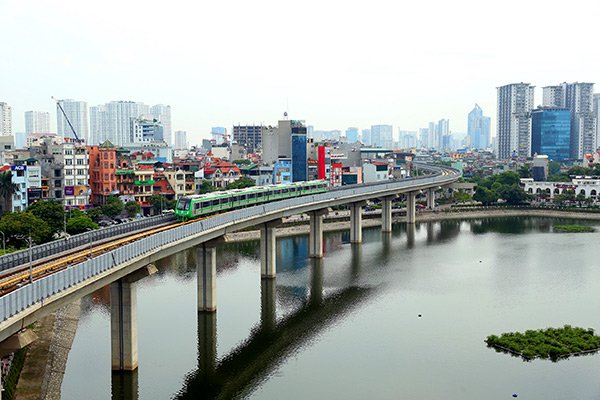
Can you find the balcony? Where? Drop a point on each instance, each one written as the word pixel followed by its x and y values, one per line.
pixel 148 182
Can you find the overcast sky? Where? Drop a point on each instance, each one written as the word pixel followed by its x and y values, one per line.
pixel 334 64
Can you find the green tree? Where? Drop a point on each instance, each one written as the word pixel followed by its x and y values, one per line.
pixel 205 187
pixel 80 224
pixel 18 226
pixel 508 178
pixel 7 189
pixel 524 171
pixel 95 213
pixel 461 197
pixel 576 170
pixel 241 183
pixel 580 198
pixel 50 211
pixel 242 162
pixel 560 198
pixel 485 196
pixel 553 168
pixel 132 208
pixel 512 194
pixel 158 203
pixel 113 207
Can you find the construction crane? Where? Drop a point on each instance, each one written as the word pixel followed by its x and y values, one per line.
pixel 67 119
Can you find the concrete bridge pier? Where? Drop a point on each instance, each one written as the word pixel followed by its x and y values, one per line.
pixel 386 213
pixel 410 235
pixel 315 239
pixel 411 203
pixel 268 304
pixel 356 221
pixel 206 261
pixel 268 249
pixel 123 320
pixel 431 198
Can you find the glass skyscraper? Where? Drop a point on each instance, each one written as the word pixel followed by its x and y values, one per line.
pixel 551 132
pixel 299 161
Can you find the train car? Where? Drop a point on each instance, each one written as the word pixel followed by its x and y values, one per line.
pixel 194 206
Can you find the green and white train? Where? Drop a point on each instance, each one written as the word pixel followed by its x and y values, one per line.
pixel 190 207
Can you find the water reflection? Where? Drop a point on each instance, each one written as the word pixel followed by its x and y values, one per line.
pixel 124 385
pixel 271 342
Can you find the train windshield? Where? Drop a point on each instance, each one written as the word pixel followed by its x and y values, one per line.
pixel 184 204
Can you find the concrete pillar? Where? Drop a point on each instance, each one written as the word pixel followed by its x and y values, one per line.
pixel 315 237
pixel 386 213
pixel 268 304
pixel 123 326
pixel 207 345
pixel 430 198
pixel 356 222
pixel 411 200
pixel 268 249
pixel 124 385
pixel 206 260
pixel 316 281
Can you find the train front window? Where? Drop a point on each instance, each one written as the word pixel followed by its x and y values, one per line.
pixel 184 204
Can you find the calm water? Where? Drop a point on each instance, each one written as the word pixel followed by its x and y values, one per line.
pixel 347 326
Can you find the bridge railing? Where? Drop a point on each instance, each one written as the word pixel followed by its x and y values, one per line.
pixel 18 300
pixel 21 257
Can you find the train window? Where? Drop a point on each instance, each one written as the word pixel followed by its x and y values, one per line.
pixel 235 198
pixel 243 197
pixel 284 191
pixel 277 191
pixel 259 194
pixel 214 203
pixel 205 204
pixel 251 195
pixel 224 200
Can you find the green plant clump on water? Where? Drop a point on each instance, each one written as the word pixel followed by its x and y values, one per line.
pixel 573 228
pixel 552 343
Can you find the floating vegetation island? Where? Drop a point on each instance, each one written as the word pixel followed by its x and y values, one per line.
pixel 552 343
pixel 572 228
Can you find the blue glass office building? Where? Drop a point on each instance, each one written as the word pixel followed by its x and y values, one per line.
pixel 299 163
pixel 551 132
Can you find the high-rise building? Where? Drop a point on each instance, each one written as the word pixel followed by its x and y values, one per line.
pixel 77 113
pixel 37 122
pixel 515 102
pixel 407 139
pixel 219 135
pixel 181 140
pixel 352 135
pixel 553 96
pixel 162 113
pixel 551 132
pixel 5 119
pixel 299 150
pixel 424 137
pixel 578 97
pixel 478 129
pixel 382 136
pixel 249 136
pixel 145 130
pixel 112 121
pixel 597 115
pixel 443 137
pixel 366 137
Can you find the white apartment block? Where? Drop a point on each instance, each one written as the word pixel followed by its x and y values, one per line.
pixel 76 175
pixel 37 122
pixel 77 113
pixel 112 121
pixel 513 130
pixel 5 119
pixel 181 140
pixel 162 113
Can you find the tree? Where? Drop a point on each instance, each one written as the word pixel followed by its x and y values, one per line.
pixel 113 207
pixel 553 168
pixel 508 178
pixel 512 194
pixel 80 224
pixel 205 187
pixel 50 211
pixel 18 226
pixel 95 213
pixel 524 171
pixel 580 198
pixel 578 171
pixel 485 196
pixel 241 162
pixel 461 197
pixel 132 208
pixel 241 183
pixel 7 189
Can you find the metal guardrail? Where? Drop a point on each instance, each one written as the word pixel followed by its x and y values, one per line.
pixel 21 257
pixel 28 295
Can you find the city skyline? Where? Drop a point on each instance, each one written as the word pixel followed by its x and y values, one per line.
pixel 406 90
